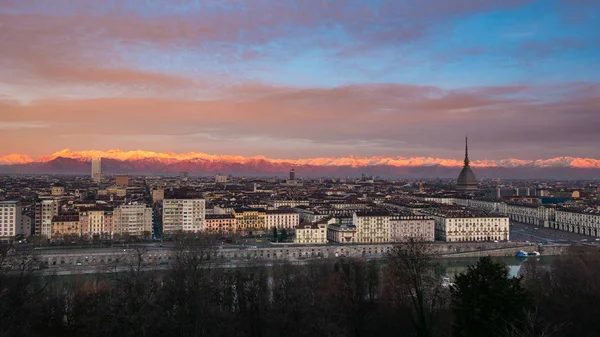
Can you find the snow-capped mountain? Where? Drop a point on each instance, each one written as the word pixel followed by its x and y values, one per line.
pixel 69 161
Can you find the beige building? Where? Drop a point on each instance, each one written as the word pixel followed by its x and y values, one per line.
pixel 185 215
pixel 96 222
pixel 281 219
pixel 45 211
pixel 406 226
pixel 121 180
pixel 312 233
pixel 158 194
pixel 97 170
pixel 65 227
pixel 132 220
pixel 220 224
pixel 372 226
pixel 250 219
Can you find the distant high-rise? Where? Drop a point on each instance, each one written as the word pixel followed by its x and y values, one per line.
pixel 97 169
pixel 292 174
pixel 466 179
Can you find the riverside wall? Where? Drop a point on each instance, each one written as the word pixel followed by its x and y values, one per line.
pixel 86 258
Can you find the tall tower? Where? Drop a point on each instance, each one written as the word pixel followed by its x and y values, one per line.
pixel 97 169
pixel 466 179
pixel 292 174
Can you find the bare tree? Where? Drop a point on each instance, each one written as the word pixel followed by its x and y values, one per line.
pixel 414 281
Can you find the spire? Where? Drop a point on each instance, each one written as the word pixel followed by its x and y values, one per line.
pixel 466 152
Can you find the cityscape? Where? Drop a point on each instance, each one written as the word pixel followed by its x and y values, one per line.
pixel 293 168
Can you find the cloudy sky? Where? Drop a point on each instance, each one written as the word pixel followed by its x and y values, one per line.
pixel 302 78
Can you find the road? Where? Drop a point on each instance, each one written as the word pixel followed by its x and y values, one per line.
pixel 520 232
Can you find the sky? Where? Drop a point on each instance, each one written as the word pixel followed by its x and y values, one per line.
pixel 297 79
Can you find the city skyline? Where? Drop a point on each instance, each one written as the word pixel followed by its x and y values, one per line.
pixel 298 79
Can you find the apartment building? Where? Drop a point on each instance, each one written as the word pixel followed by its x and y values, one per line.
pixel 372 226
pixel 282 219
pixel 408 226
pixel 250 219
pixel 10 219
pixel 132 220
pixel 65 226
pixel 96 222
pixel 220 224
pixel 185 215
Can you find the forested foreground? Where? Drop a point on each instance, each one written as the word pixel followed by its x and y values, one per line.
pixel 401 297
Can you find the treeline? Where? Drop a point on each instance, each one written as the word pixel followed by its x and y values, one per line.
pixel 403 296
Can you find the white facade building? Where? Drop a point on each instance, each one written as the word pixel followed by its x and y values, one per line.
pixel 10 219
pixel 457 224
pixel 312 233
pixel 282 219
pixel 372 226
pixel 183 215
pixel 134 220
pixel 583 221
pixel 410 226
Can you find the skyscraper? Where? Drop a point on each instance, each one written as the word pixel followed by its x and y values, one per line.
pixel 292 174
pixel 97 169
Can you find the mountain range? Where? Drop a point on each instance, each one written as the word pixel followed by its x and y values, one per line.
pixel 196 163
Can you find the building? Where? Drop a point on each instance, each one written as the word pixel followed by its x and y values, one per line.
pixel 582 220
pixel 220 224
pixel 65 227
pixel 372 226
pixel 281 219
pixel 459 224
pixel 250 219
pixel 290 203
pixel 122 180
pixel 158 194
pixel 45 211
pixel 58 190
pixel 313 233
pixel 10 219
pixel 97 170
pixel 220 178
pixel 185 215
pixel 96 222
pixel 292 174
pixel 341 233
pixel 132 220
pixel 466 179
pixel 409 226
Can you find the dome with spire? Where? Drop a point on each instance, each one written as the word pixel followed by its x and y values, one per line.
pixel 466 181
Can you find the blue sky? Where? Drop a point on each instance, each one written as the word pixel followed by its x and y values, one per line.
pixel 264 55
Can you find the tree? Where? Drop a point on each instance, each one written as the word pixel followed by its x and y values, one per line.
pixel 274 233
pixel 485 301
pixel 283 235
pixel 414 283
